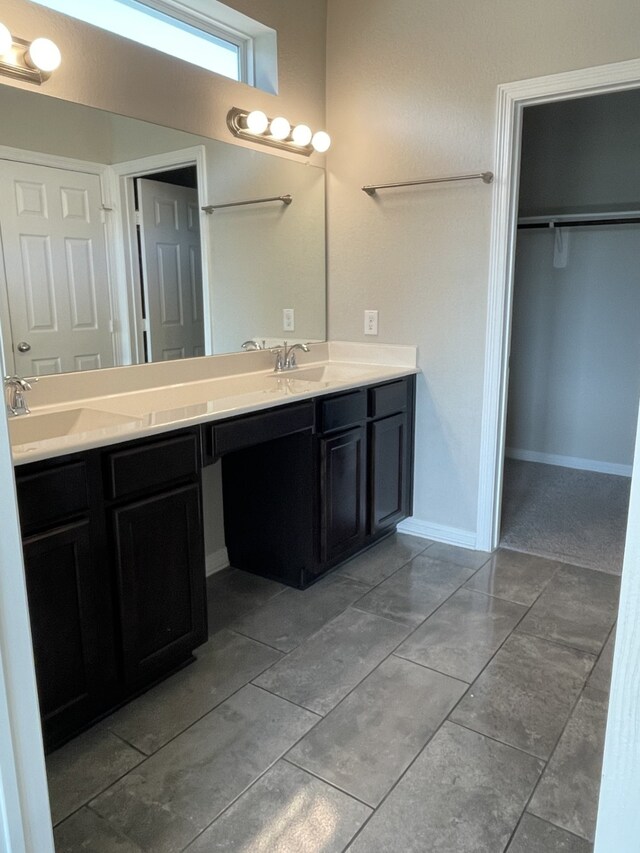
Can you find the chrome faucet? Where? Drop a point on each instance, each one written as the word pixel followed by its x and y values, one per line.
pixel 286 356
pixel 15 399
pixel 251 345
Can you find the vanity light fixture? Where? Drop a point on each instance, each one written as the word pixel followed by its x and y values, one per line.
pixel 33 61
pixel 277 132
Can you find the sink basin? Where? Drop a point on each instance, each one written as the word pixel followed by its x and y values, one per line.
pixel 326 373
pixel 25 429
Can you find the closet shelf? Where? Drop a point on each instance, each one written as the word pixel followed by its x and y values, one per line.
pixel 592 217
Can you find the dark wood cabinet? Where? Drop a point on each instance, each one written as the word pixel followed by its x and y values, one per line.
pixel 114 565
pixel 343 488
pixel 389 461
pixel 159 556
pixel 70 616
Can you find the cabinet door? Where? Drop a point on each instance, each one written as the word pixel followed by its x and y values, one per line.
pixel 388 454
pixel 161 575
pixel 343 493
pixel 70 614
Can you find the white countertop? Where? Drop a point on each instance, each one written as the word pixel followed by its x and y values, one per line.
pixel 67 417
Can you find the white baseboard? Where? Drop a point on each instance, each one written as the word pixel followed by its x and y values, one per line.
pixel 439 533
pixel 216 561
pixel 569 462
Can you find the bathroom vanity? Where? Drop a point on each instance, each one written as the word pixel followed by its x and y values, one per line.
pixel 113 532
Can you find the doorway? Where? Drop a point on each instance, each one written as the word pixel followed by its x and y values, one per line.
pixel 574 381
pixel 169 262
pixel 161 198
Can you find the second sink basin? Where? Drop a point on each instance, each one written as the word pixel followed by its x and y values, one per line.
pixel 25 429
pixel 326 373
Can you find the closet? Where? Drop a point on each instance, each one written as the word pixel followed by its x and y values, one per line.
pixel 574 371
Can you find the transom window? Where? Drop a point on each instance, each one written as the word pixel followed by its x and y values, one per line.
pixel 203 32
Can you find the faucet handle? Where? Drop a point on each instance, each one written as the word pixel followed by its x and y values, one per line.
pixel 279 365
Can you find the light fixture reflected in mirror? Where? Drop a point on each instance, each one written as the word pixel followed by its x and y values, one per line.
pixel 277 132
pixel 33 61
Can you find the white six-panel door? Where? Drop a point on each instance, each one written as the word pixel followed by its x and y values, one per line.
pixel 55 256
pixel 171 262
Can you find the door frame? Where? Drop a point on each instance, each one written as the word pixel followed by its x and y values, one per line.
pixel 123 176
pixel 512 99
pixel 117 286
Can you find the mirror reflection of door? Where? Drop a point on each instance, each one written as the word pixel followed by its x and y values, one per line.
pixel 169 234
pixel 55 263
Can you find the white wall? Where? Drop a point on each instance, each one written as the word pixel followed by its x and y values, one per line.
pixel 411 93
pixel 575 349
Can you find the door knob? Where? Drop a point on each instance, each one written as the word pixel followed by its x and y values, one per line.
pixel 23 346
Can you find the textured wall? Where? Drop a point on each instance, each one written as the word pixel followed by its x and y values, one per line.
pixel 411 92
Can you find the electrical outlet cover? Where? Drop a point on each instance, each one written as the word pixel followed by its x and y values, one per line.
pixel 288 321
pixel 370 322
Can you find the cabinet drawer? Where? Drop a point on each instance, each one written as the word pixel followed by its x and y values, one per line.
pixel 388 399
pixel 147 466
pixel 256 429
pixel 343 410
pixel 52 495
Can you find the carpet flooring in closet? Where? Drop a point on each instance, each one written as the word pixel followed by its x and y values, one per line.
pixel 578 517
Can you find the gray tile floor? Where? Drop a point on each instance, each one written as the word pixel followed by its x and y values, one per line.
pixel 421 698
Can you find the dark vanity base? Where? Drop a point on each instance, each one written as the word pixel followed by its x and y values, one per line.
pixel 302 504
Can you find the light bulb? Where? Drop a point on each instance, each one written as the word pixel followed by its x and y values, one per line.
pixel 44 55
pixel 257 122
pixel 321 141
pixel 279 128
pixel 301 134
pixel 6 40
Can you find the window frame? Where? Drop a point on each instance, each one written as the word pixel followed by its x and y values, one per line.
pixel 200 21
pixel 255 42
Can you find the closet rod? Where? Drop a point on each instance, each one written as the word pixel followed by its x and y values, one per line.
pixel 579 223
pixel 285 199
pixel 486 177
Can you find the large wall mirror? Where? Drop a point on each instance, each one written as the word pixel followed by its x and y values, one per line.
pixel 108 258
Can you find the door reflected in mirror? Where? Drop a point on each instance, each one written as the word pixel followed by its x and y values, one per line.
pixel 108 258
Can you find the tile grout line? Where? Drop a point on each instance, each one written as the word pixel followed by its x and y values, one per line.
pixel 333 785
pixel 559 643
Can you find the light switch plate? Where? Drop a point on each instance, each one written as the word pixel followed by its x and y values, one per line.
pixel 288 322
pixel 370 322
